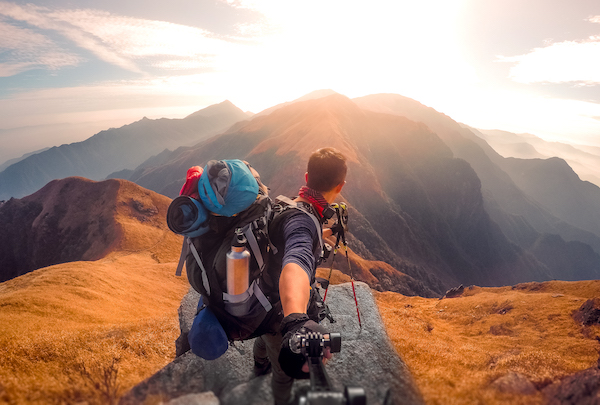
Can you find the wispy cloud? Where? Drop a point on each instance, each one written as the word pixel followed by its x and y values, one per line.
pixel 39 17
pixel 23 49
pixel 562 62
pixel 131 43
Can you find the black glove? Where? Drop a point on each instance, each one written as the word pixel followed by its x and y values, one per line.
pixel 337 228
pixel 291 363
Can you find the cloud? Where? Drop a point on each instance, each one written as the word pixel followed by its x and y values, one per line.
pixel 39 17
pixel 561 62
pixel 130 43
pixel 137 37
pixel 22 49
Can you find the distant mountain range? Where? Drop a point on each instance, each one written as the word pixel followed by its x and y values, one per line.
pixel 11 162
pixel 115 149
pixel 428 196
pixel 584 159
pixel 524 214
pixel 415 206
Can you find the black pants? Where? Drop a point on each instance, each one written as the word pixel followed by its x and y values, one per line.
pixel 267 346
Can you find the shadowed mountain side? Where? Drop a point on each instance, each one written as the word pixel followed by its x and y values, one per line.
pixel 413 205
pixel 559 189
pixel 78 219
pixel 377 274
pixel 15 160
pixel 115 149
pixel 496 184
pixel 521 214
pixel 366 360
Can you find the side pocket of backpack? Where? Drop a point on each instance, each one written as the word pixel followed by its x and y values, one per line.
pixel 249 309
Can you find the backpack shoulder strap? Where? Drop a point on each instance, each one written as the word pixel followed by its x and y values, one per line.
pixel 185 250
pixel 295 205
pixel 260 224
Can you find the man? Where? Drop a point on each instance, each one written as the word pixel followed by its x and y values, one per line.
pixel 297 240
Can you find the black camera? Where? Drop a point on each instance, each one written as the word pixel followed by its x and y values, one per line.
pixel 312 346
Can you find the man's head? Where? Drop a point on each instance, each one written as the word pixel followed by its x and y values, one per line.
pixel 326 170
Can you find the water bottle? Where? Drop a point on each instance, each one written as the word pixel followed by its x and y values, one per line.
pixel 238 262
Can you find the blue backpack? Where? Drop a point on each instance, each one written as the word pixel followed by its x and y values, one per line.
pixel 232 198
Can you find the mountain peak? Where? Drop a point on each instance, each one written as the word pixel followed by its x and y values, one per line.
pixel 76 219
pixel 317 94
pixel 313 95
pixel 224 107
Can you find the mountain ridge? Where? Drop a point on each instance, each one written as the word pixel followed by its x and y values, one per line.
pixel 509 202
pixel 442 191
pixel 77 219
pixel 413 183
pixel 115 149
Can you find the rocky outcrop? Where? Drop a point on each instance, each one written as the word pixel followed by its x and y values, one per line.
pixel 589 312
pixel 581 388
pixel 514 383
pixel 367 360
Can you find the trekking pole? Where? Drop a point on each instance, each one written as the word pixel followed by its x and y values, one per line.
pixel 343 218
pixel 335 249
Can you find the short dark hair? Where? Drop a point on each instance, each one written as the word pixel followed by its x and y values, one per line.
pixel 326 169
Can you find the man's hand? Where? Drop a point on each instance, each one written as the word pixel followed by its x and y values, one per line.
pixel 295 364
pixel 337 228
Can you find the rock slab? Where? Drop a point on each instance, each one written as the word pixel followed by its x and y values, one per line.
pixel 367 360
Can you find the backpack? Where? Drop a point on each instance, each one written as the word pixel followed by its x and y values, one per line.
pixel 231 198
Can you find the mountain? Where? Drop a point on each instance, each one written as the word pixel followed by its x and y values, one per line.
pixel 585 160
pixel 103 319
pixel 556 187
pixel 15 160
pixel 523 214
pixel 451 212
pixel 76 219
pixel 313 95
pixel 115 149
pixel 412 204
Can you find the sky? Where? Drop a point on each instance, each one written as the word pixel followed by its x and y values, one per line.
pixel 70 68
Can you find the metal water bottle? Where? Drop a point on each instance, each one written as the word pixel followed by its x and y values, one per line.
pixel 238 262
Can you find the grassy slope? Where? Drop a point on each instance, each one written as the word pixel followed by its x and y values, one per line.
pixel 61 340
pixel 88 331
pixel 457 347
pixel 63 327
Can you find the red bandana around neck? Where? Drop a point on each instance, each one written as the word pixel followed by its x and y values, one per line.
pixel 315 198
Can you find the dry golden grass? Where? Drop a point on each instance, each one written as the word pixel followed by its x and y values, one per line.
pixel 64 341
pixel 456 347
pixel 87 331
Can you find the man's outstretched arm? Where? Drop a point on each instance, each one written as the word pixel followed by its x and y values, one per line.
pixel 294 289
